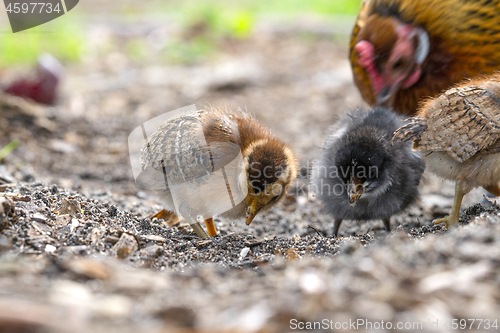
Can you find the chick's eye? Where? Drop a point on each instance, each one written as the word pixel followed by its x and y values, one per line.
pixel 274 198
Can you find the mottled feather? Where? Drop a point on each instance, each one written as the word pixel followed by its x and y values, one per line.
pixel 463 121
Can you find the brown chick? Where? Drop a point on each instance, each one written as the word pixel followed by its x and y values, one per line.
pixel 404 50
pixel 459 135
pixel 217 161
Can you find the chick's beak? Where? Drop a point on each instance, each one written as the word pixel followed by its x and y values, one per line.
pixel 354 190
pixel 252 210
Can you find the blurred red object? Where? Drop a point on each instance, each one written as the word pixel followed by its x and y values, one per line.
pixel 43 87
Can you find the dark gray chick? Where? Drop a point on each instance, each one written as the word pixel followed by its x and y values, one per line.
pixel 361 175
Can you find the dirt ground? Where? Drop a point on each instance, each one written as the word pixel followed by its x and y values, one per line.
pixel 78 252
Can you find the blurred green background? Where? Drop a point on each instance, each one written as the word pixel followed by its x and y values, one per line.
pixel 206 23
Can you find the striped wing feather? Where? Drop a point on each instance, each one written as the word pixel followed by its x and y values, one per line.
pixel 463 121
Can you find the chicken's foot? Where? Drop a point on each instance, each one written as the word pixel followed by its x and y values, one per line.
pixel 452 219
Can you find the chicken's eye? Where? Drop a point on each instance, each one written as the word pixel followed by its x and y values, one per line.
pixel 398 64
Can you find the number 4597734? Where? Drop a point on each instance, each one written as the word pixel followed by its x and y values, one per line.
pixel 32 7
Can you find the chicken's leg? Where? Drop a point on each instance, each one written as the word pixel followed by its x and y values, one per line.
pixel 452 219
pixel 210 227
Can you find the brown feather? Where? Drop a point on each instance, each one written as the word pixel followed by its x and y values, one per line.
pixel 464 42
pixel 464 121
pixel 179 152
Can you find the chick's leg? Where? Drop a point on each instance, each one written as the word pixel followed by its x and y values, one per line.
pixel 336 226
pixel 452 219
pixel 199 230
pixel 387 224
pixel 210 227
pixel 160 215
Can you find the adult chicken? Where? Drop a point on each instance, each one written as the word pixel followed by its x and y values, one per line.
pixel 404 50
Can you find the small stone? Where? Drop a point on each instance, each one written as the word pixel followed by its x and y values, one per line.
pixel 63 219
pixel 88 268
pixel 50 248
pixel 112 210
pixel 70 207
pixel 62 146
pixel 244 252
pixel 177 317
pixel 74 224
pixel 95 235
pixel 151 252
pixel 126 246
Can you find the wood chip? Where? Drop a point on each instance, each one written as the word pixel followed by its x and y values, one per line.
pixel 4 222
pixel 204 242
pixel 39 217
pixel 35 238
pixel 254 242
pixel 169 218
pixel 3 187
pixel 41 228
pixel 154 238
pixel 291 254
pixel 26 198
pixel 6 206
pixel 126 246
pixel 111 239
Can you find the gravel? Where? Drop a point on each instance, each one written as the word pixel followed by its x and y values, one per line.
pixel 80 253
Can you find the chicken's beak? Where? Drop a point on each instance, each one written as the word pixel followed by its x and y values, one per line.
pixel 354 190
pixel 252 210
